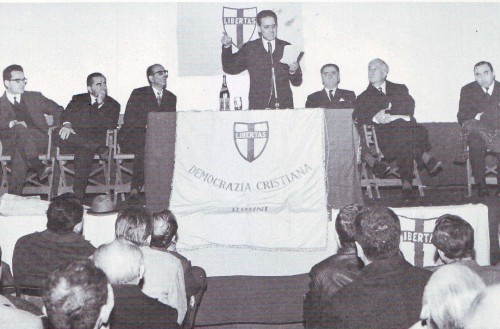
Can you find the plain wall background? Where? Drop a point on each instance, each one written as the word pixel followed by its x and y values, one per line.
pixel 431 47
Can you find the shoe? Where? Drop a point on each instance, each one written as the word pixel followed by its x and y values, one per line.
pixel 433 166
pixel 103 152
pixel 482 190
pixel 406 194
pixel 381 169
pixel 43 172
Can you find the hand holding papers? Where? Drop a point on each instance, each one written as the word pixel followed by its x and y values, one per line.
pixel 291 56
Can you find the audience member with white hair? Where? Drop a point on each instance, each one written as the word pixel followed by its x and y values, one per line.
pixel 163 277
pixel 484 312
pixel 123 263
pixel 448 296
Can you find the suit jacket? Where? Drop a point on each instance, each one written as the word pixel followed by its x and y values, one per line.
pixel 254 57
pixel 88 121
pixel 473 101
pixel 327 277
pixel 371 101
pixel 134 310
pixel 142 101
pixel 37 105
pixel 388 294
pixel 342 99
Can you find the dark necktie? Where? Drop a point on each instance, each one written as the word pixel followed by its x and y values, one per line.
pixel 487 93
pixel 380 88
pixel 95 104
pixel 330 93
pixel 158 98
pixel 15 101
pixel 269 48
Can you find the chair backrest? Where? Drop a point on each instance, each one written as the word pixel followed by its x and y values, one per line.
pixel 193 303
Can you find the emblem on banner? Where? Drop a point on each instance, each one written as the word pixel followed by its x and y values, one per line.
pixel 239 24
pixel 250 139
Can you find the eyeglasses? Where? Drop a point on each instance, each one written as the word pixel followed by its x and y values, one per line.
pixel 19 80
pixel 161 73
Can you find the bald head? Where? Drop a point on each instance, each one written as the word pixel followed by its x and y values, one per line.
pixel 121 260
pixel 377 72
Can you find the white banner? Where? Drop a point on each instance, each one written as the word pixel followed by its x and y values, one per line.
pixel 250 179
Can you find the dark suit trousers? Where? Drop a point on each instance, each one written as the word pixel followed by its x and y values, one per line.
pixel 23 145
pixel 477 149
pixel 83 149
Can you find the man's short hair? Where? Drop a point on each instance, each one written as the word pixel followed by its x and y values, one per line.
pixel 63 215
pixel 7 72
pixel 266 13
pixel 164 229
pixel 377 230
pixel 74 296
pixel 91 76
pixel 134 224
pixel 344 223
pixel 121 260
pixel 478 64
pixel 329 65
pixel 454 237
pixel 382 64
pixel 149 71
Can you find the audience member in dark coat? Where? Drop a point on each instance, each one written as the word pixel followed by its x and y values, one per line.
pixel 336 271
pixel 153 98
pixel 123 263
pixel 390 108
pixel 388 293
pixel 37 254
pixel 331 97
pixel 86 120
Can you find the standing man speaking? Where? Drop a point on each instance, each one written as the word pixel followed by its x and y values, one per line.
pixel 269 78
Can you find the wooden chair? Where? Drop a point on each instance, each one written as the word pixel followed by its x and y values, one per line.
pixel 368 179
pixel 120 159
pixel 33 185
pixel 193 303
pixel 95 186
pixel 490 173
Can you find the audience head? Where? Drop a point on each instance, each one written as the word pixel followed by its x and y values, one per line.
pixel 377 233
pixel 344 224
pixel 157 76
pixel 448 295
pixel 484 311
pixel 134 224
pixel 121 260
pixel 377 71
pixel 65 214
pixel 14 79
pixel 330 76
pixel 484 73
pixel 78 297
pixel 164 229
pixel 267 22
pixel 96 83
pixel 454 238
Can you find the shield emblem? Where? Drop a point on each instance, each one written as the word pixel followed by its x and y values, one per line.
pixel 239 24
pixel 250 139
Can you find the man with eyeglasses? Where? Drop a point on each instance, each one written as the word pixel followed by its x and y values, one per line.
pixel 331 97
pixel 85 123
pixel 23 127
pixel 152 98
pixel 269 78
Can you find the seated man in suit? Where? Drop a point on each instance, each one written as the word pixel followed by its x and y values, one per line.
pixel 123 263
pixel 390 108
pixel 328 276
pixel 85 123
pixel 388 292
pixel 163 277
pixel 78 296
pixel 152 98
pixel 331 97
pixel 453 238
pixel 37 254
pixel 479 116
pixel 23 127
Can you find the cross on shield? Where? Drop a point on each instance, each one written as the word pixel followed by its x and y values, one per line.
pixel 239 24
pixel 250 139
